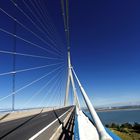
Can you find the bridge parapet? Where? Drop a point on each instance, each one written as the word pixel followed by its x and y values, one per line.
pixel 9 116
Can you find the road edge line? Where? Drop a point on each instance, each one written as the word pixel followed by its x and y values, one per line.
pixel 45 128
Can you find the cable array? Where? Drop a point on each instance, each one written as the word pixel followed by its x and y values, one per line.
pixel 45 57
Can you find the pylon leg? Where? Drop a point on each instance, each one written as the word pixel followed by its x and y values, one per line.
pixel 67 90
pixel 76 101
pixel 70 79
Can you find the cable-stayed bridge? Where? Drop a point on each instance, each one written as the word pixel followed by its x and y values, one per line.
pixel 39 87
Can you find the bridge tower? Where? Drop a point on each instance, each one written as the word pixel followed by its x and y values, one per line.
pixel 65 14
pixel 102 132
pixel 70 79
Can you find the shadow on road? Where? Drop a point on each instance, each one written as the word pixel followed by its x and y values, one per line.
pixel 67 130
pixel 20 125
pixel 6 115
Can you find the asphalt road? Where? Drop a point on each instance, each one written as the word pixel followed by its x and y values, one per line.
pixel 24 128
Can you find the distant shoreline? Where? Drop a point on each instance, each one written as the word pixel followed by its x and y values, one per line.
pixel 119 109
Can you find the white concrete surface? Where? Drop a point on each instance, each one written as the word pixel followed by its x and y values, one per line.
pixel 87 131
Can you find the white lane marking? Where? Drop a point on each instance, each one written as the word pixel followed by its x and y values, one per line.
pixel 45 128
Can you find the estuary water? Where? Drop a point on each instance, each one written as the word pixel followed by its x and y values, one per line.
pixel 119 116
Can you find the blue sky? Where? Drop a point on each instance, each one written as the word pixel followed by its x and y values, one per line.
pixel 105 50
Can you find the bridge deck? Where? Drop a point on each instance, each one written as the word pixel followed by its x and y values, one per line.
pixel 27 127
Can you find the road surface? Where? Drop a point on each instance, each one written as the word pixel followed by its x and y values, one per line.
pixel 25 128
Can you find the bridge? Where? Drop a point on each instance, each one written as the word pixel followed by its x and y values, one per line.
pixel 34 102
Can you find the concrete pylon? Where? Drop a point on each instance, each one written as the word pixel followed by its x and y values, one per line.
pixel 70 79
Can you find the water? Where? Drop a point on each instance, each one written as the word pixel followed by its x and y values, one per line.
pixel 119 117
